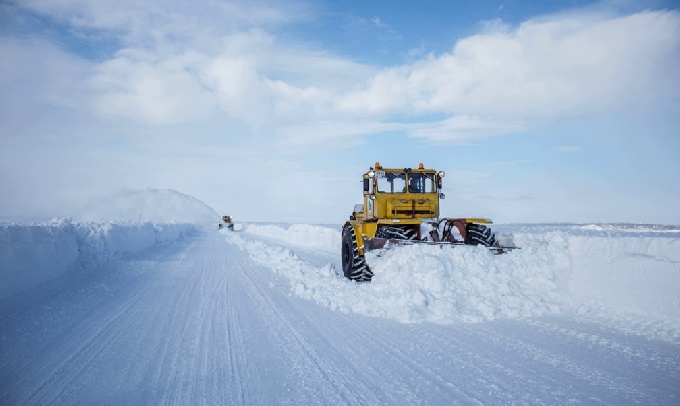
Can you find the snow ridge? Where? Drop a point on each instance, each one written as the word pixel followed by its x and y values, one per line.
pixel 31 254
pixel 628 268
pixel 413 283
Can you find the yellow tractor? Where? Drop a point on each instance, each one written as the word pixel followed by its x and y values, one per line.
pixel 401 206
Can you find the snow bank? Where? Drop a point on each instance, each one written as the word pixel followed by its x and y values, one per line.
pixel 31 254
pixel 625 267
pixel 413 283
pixel 126 222
pixel 154 205
pixel 630 267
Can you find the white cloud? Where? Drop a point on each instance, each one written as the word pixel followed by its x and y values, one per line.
pixel 252 77
pixel 183 63
pixel 42 91
pixel 544 68
pixel 488 85
pixel 163 91
pixel 176 19
pixel 35 70
pixel 332 134
pixel 462 129
pixel 255 81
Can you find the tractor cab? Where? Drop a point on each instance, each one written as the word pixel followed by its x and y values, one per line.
pixel 401 193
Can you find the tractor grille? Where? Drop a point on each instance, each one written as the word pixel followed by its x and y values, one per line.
pixel 411 208
pixel 410 212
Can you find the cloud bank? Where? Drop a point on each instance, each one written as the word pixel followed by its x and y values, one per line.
pixel 106 95
pixel 179 64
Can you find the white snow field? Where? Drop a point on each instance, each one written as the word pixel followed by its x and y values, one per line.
pixel 124 312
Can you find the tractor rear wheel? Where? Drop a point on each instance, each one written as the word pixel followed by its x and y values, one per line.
pixel 353 264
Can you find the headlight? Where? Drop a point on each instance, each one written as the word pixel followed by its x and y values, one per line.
pixel 371 174
pixel 441 174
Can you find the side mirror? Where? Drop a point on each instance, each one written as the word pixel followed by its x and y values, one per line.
pixel 366 185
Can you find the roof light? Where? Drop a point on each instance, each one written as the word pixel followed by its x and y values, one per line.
pixel 420 166
pixel 377 165
pixel 441 174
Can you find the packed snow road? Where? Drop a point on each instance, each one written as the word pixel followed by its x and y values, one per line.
pixel 217 318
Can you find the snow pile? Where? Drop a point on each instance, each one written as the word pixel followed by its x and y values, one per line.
pixel 155 205
pixel 444 284
pixel 625 267
pixel 31 254
pixel 418 283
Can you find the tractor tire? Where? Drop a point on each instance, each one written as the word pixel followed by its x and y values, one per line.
pixel 479 234
pixel 396 233
pixel 354 266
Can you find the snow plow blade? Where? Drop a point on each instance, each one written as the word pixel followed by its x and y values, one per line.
pixel 384 243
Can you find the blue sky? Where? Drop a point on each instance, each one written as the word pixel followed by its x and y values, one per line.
pixel 271 110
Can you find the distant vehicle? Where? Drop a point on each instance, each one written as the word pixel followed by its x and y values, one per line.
pixel 228 221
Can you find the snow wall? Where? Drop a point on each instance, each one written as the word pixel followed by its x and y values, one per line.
pixel 631 268
pixel 124 222
pixel 31 254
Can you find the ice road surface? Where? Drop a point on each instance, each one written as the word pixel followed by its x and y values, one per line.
pixel 174 313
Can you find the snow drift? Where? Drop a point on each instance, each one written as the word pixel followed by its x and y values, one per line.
pixel 624 267
pixel 31 254
pixel 631 267
pixel 126 222
pixel 154 205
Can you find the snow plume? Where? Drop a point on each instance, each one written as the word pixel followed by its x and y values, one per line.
pixel 155 205
pixel 31 254
pixel 577 268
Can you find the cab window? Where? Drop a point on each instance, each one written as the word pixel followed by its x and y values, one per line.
pixel 421 183
pixel 391 182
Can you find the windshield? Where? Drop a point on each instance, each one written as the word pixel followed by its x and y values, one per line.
pixel 395 182
pixel 391 182
pixel 421 183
